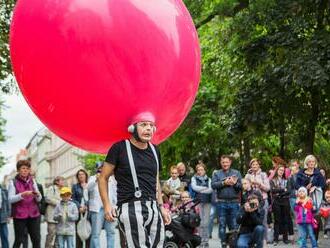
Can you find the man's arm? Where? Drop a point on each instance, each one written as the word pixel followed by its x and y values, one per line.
pixel 107 171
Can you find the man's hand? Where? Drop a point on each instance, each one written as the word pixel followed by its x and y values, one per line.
pixel 110 214
pixel 166 216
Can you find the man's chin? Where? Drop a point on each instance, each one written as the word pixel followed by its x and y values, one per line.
pixel 145 140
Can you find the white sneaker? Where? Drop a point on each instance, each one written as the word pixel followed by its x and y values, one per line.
pixel 325 236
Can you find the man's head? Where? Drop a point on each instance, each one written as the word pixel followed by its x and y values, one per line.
pixel 225 162
pixel 181 168
pixel 143 127
pixel 98 167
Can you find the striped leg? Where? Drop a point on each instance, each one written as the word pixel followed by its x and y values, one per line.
pixel 142 224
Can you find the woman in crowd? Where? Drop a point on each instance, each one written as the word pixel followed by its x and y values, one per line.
pixel 80 198
pixel 259 181
pixel 24 196
pixel 281 206
pixel 292 188
pixel 201 184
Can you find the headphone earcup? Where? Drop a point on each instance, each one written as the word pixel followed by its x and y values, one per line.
pixel 131 128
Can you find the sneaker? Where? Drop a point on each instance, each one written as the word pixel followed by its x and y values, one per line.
pixel 325 236
pixel 223 245
pixel 275 243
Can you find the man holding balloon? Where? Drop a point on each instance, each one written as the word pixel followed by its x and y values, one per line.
pixel 135 164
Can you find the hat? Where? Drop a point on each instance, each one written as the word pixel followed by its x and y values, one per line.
pixel 303 189
pixel 98 164
pixel 65 190
pixel 144 116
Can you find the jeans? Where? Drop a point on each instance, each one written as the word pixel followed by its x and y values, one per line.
pixel 68 239
pixel 245 240
pixel 203 228
pixel 227 212
pixel 4 235
pixel 304 230
pixel 98 222
pixel 213 215
pixel 33 228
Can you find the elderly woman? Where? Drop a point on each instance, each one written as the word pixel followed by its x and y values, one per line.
pixel 259 181
pixel 311 178
pixel 24 195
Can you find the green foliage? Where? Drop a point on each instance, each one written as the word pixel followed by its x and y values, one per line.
pixel 89 161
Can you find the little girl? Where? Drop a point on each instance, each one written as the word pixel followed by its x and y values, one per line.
pixel 304 218
pixel 325 213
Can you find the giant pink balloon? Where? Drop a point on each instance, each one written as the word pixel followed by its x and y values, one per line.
pixel 86 68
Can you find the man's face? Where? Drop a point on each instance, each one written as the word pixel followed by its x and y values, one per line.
pixel 145 130
pixel 225 163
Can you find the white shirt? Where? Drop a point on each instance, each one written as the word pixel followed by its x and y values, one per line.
pixel 95 202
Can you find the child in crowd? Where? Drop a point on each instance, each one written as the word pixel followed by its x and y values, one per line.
pixel 248 190
pixel 185 198
pixel 305 218
pixel 174 185
pixel 325 213
pixel 66 213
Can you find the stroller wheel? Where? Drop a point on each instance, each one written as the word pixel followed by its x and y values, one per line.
pixel 171 244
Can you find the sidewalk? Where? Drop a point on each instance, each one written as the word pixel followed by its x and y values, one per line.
pixel 214 242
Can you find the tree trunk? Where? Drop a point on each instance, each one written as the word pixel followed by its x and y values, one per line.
pixel 246 150
pixel 282 141
pixel 312 122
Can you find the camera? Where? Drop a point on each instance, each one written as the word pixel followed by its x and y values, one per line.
pixel 252 205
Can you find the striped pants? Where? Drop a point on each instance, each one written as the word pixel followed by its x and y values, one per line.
pixel 141 224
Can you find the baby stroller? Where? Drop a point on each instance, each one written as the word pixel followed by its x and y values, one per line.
pixel 180 233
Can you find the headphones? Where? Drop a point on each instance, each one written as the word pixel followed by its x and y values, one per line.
pixel 131 128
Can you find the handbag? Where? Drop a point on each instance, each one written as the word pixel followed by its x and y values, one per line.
pixel 84 228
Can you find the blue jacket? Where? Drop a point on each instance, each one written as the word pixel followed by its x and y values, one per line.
pixel 226 192
pixel 78 195
pixel 317 179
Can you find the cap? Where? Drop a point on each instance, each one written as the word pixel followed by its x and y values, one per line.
pixel 98 164
pixel 65 190
pixel 144 116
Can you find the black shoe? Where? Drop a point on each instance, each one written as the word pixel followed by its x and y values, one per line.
pixel 286 241
pixel 223 245
pixel 275 243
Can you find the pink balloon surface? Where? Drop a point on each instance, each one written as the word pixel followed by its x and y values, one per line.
pixel 86 68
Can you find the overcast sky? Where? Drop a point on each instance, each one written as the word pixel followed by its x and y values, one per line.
pixel 21 125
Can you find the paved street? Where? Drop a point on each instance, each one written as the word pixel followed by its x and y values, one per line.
pixel 213 242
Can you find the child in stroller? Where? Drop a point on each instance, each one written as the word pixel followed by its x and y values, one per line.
pixel 185 219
